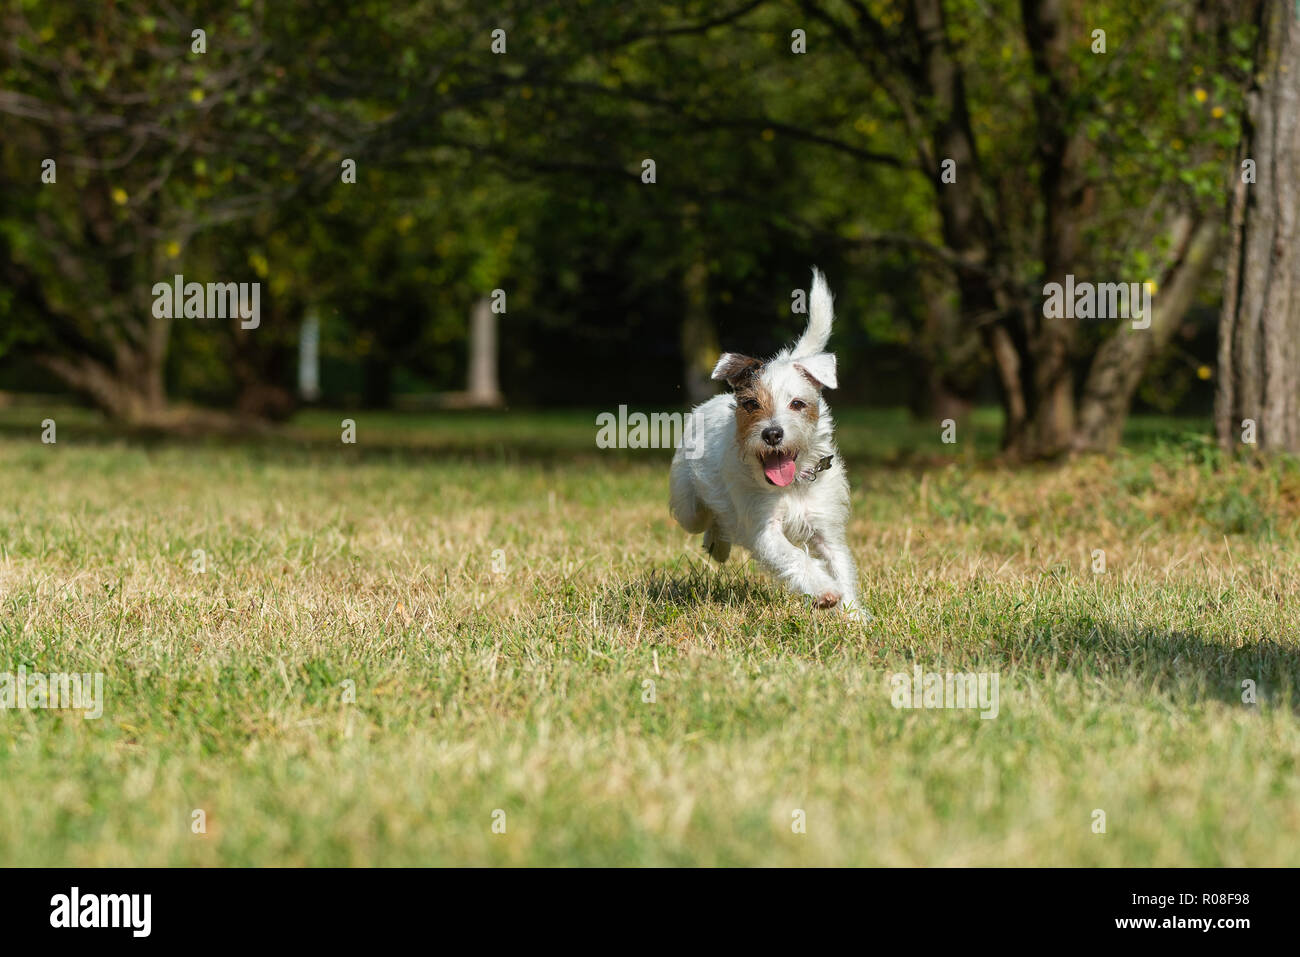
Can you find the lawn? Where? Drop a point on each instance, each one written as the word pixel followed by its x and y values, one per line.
pixel 390 652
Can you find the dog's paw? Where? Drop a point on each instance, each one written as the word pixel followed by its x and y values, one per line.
pixel 856 613
pixel 827 599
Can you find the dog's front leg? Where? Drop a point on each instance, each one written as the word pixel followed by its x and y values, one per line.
pixel 795 568
pixel 835 550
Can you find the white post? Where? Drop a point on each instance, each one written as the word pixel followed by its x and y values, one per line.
pixel 483 387
pixel 309 357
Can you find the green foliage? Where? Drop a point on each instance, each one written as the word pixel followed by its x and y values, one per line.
pixel 522 171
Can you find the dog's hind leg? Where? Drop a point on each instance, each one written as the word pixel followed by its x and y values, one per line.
pixel 717 547
pixel 694 516
pixel 691 514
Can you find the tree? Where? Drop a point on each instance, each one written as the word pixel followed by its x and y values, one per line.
pixel 1038 156
pixel 1259 358
pixel 162 138
pixel 139 119
pixel 943 158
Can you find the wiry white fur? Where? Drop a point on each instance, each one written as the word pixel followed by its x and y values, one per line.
pixel 798 533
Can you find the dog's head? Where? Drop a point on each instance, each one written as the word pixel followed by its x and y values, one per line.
pixel 782 421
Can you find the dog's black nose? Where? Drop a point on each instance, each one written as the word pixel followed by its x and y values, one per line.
pixel 773 435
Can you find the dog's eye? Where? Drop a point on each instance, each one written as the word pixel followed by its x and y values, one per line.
pixel 749 405
pixel 797 404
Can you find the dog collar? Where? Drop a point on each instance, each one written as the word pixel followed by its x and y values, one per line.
pixel 821 466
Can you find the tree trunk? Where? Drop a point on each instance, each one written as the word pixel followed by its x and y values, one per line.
pixel 1259 381
pixel 1117 367
pixel 700 347
pixel 1030 356
pixel 949 354
pixel 964 220
pixel 1049 384
pixel 132 392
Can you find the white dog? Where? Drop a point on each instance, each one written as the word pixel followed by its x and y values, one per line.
pixel 759 467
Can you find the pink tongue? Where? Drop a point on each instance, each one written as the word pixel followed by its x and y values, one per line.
pixel 779 470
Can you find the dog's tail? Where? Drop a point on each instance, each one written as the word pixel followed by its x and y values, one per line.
pixel 820 313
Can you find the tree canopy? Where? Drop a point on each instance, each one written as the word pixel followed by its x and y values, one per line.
pixel 645 182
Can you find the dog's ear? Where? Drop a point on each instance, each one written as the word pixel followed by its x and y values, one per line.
pixel 734 369
pixel 819 368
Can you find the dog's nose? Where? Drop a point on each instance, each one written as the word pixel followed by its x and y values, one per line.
pixel 773 435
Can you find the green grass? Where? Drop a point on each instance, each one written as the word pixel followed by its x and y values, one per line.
pixel 522 689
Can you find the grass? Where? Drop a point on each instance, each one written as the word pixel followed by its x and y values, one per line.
pixel 500 594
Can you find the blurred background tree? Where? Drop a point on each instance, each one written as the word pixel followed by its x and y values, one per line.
pixel 1087 139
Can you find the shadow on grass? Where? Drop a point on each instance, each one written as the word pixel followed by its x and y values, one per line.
pixel 1109 655
pixel 1169 661
pixel 700 583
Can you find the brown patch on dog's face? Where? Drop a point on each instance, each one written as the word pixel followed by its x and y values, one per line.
pixel 753 406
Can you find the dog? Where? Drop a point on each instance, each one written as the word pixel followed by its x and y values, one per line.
pixel 758 467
